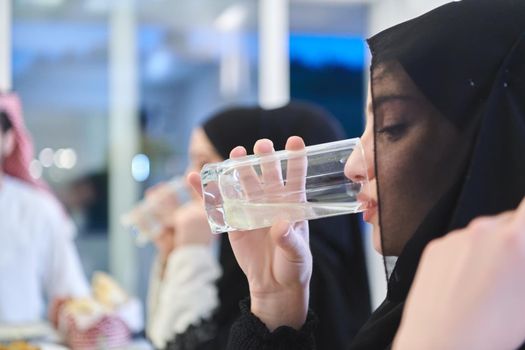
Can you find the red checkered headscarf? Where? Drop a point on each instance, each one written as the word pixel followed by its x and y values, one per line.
pixel 17 163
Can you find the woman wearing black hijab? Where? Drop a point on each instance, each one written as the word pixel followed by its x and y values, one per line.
pixel 339 287
pixel 445 141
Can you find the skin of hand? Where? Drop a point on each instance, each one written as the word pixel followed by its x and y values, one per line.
pixel 191 225
pixel 277 261
pixel 469 287
pixel 182 225
pixel 164 242
pixel 54 309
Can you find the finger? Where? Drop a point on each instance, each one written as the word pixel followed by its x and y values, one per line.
pixel 302 228
pixel 194 180
pixel 296 169
pixel 238 152
pixel 292 245
pixel 487 224
pixel 154 190
pixel 271 169
pixel 506 216
pixel 237 235
pixel 164 198
pixel 247 175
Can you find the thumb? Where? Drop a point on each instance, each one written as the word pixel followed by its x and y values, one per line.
pixel 194 180
pixel 291 243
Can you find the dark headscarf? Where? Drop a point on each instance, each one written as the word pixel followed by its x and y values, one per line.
pixel 455 148
pixel 339 286
pixel 243 126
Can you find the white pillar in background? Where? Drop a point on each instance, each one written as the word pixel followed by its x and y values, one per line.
pixel 6 82
pixel 123 139
pixel 274 58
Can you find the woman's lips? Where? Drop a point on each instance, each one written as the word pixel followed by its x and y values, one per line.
pixel 370 210
pixel 369 213
pixel 370 206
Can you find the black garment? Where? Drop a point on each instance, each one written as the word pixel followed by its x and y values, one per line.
pixel 339 285
pixel 251 333
pixel 243 126
pixel 448 94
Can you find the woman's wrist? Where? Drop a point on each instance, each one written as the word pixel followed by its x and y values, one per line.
pixel 286 308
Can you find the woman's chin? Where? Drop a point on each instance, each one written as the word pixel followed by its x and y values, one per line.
pixel 376 238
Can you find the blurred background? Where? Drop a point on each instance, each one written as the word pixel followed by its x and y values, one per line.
pixel 112 88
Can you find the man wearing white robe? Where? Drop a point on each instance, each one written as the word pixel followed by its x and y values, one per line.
pixel 38 258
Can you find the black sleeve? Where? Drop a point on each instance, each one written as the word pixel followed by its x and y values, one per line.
pixel 194 337
pixel 250 333
pixel 339 285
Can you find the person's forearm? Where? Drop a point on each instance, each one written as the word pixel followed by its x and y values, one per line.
pixel 288 308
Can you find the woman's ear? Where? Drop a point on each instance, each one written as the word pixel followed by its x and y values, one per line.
pixel 8 143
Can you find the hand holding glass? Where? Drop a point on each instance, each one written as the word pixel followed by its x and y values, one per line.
pixel 256 191
pixel 150 215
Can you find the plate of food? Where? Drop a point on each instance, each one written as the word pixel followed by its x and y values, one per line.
pixel 18 345
pixel 23 345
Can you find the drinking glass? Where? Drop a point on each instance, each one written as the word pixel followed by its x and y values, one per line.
pixel 147 219
pixel 255 191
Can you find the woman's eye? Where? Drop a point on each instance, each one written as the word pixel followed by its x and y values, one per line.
pixel 393 132
pixel 198 164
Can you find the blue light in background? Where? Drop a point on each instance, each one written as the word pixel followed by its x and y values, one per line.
pixel 320 50
pixel 140 167
pixel 60 39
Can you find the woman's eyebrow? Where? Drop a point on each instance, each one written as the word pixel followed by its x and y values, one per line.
pixel 378 101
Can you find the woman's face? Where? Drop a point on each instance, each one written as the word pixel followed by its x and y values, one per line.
pixel 415 158
pixel 201 151
pixel 356 173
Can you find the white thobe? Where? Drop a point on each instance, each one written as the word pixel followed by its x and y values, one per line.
pixel 38 258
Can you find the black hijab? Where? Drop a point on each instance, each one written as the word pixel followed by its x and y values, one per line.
pixel 448 93
pixel 242 126
pixel 339 285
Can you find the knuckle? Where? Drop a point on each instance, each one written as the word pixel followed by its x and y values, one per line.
pixel 432 247
pixel 480 223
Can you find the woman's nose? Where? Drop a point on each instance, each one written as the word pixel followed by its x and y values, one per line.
pixel 360 163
